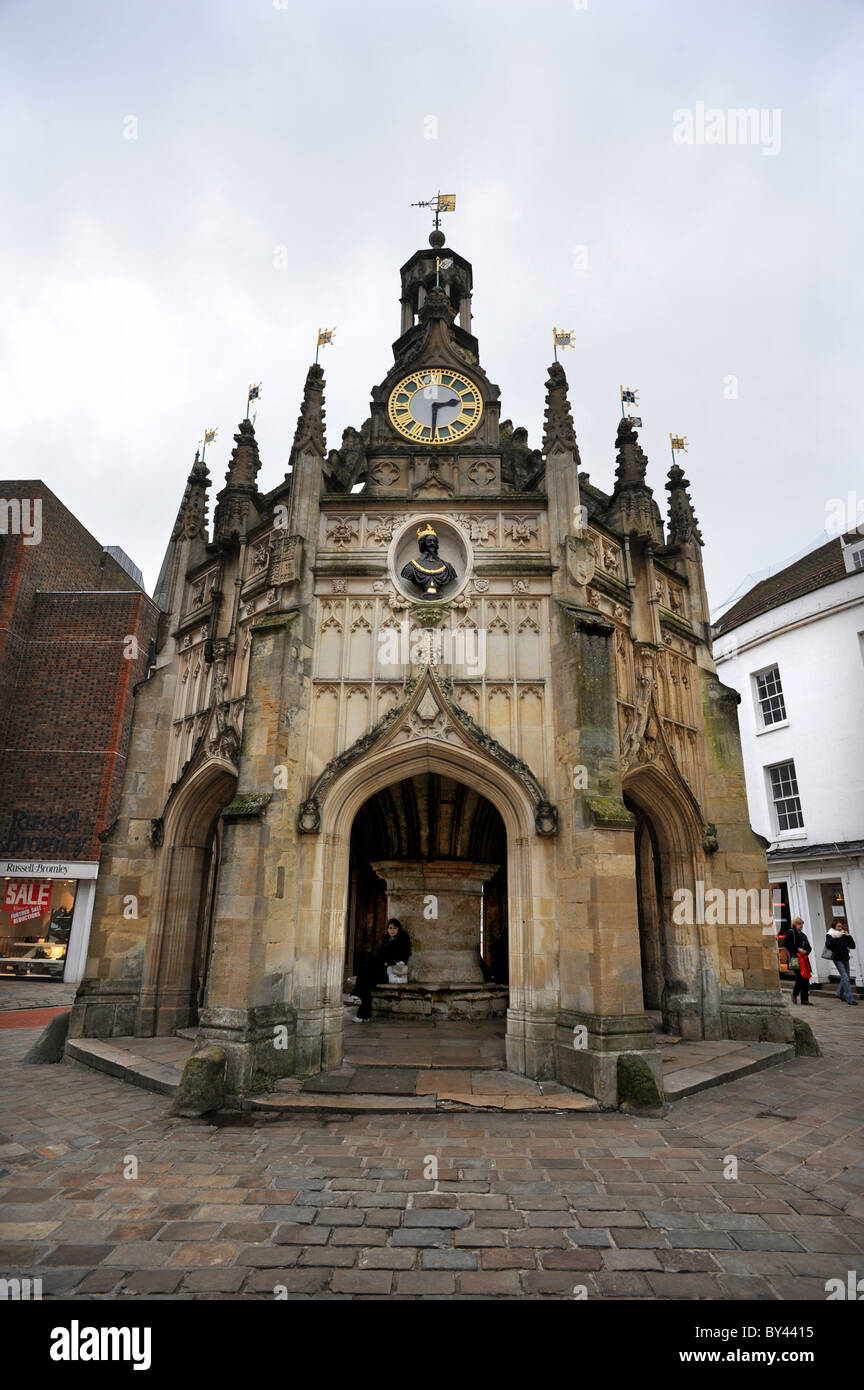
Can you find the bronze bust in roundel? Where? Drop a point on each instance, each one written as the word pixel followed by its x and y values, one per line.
pixel 429 572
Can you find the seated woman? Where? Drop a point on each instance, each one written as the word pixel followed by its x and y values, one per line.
pixel 396 947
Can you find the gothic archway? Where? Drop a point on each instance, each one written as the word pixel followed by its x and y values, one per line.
pixel 178 939
pixel 669 857
pixel 424 821
pixel 320 960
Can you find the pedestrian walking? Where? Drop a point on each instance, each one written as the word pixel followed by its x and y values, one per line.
pixel 798 948
pixel 839 942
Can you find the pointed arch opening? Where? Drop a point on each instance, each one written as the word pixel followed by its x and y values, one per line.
pixel 432 851
pixel 668 858
pixel 179 937
pixel 326 888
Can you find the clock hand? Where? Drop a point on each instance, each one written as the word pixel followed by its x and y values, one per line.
pixel 436 406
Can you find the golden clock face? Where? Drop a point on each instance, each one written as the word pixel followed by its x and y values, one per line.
pixel 435 406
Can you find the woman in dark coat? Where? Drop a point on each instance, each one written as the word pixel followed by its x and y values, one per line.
pixel 840 943
pixel 798 947
pixel 396 947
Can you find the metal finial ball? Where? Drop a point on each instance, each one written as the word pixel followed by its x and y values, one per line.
pixel 437 239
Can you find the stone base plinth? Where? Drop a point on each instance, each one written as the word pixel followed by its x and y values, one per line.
pixel 440 1001
pixel 588 1048
pixel 439 903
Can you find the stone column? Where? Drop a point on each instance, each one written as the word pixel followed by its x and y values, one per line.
pixel 601 1014
pixel 439 904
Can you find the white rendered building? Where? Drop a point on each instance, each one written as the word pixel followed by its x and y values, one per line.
pixel 793 647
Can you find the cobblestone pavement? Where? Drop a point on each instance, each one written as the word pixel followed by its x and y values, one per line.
pixel 524 1205
pixel 26 993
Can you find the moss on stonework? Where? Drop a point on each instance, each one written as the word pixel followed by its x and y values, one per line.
pixel 202 1085
pixel 428 614
pixel 609 810
pixel 805 1041
pixel 721 732
pixel 637 1084
pixel 252 804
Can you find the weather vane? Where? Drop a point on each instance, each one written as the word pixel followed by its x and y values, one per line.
pixel 254 394
pixel 442 202
pixel 679 445
pixel 325 338
pixel 562 338
pixel 630 396
pixel 210 434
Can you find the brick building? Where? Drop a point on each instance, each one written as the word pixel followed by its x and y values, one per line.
pixel 75 634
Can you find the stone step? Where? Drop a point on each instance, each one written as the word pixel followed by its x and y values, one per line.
pixel 715 1072
pixel 127 1066
pixel 451 1101
pixel 347 1104
pixel 573 1100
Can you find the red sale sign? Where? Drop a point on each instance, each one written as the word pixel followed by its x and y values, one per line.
pixel 25 899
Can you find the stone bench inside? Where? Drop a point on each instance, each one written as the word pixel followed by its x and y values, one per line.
pixel 427 1000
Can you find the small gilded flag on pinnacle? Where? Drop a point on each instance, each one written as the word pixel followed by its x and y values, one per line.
pixel 325 336
pixel 446 202
pixel 678 442
pixel 563 339
pixel 210 435
pixel 254 392
pixel 629 396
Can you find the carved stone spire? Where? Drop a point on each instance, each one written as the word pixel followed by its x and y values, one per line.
pixel 235 504
pixel 632 509
pixel 310 424
pixel 245 463
pixel 191 520
pixel 306 473
pixel 437 305
pixel 683 525
pixel 630 459
pixel 187 546
pixel 558 432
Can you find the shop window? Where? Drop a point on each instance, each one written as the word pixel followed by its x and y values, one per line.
pixel 780 901
pixel 769 696
pixel 784 795
pixel 35 921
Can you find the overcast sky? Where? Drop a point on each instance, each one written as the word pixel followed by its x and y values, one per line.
pixel 147 281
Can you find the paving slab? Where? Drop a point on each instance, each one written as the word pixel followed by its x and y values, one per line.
pixel 311 1198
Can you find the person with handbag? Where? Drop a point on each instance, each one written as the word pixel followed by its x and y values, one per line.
pixel 396 948
pixel 839 942
pixel 798 949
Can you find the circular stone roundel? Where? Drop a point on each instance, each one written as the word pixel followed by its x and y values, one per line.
pixel 430 558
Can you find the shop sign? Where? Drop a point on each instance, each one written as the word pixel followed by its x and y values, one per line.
pixel 45 834
pixel 26 899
